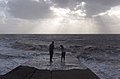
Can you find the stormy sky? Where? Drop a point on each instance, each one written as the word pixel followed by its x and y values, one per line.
pixel 59 16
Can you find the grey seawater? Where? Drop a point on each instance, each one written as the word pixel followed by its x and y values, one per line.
pixel 32 50
pixel 16 50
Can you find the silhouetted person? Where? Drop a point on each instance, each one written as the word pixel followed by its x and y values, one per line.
pixel 62 53
pixel 51 48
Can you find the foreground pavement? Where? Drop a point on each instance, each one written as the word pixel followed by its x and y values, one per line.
pixel 24 72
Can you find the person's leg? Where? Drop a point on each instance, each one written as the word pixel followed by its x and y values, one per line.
pixel 50 56
pixel 64 56
pixel 61 58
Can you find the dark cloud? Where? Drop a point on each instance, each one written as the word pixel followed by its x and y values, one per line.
pixel 28 9
pixel 94 7
pixel 62 3
pixel 65 3
pixel 105 2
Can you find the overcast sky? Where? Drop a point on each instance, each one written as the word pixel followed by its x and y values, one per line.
pixel 60 16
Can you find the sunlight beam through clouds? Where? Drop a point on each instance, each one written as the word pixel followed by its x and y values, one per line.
pixel 56 27
pixel 68 21
pixel 60 16
pixel 69 15
pixel 64 20
pixel 108 21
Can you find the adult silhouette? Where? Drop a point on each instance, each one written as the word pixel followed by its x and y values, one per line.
pixel 62 53
pixel 51 50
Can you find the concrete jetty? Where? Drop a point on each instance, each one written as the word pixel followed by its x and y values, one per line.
pixel 40 68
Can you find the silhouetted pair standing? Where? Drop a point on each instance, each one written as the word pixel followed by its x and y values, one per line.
pixel 51 51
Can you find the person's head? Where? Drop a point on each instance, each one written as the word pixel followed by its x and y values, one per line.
pixel 61 46
pixel 52 42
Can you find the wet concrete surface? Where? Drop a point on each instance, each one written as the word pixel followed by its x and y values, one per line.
pixel 42 62
pixel 40 68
